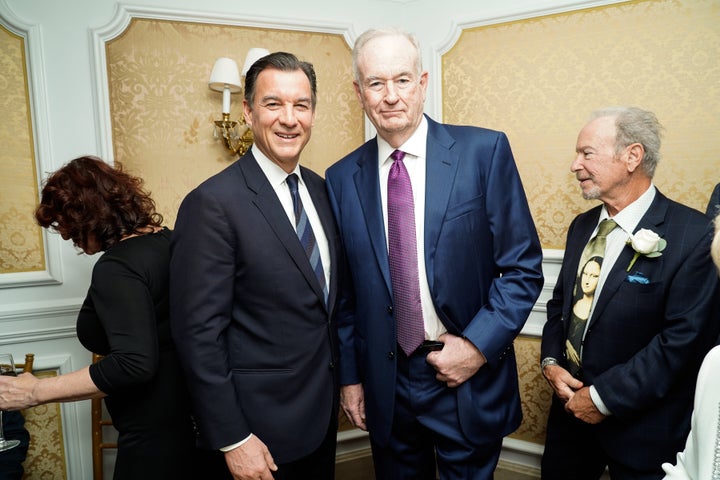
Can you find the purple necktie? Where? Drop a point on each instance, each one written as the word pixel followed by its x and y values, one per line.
pixel 402 251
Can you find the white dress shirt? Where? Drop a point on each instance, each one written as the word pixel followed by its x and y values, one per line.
pixel 415 160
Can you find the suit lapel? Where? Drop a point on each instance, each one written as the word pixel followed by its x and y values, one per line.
pixel 368 188
pixel 270 207
pixel 652 220
pixel 441 165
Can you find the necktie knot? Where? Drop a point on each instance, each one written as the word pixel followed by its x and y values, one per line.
pixel 292 181
pixel 397 155
pixel 605 227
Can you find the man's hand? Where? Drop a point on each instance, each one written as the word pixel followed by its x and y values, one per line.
pixel 251 461
pixel 352 400
pixel 582 407
pixel 457 361
pixel 564 384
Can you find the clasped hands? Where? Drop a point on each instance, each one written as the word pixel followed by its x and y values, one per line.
pixel 573 393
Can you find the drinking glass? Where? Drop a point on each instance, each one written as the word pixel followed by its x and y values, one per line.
pixel 7 367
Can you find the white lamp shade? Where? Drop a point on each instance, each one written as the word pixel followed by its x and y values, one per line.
pixel 253 56
pixel 225 74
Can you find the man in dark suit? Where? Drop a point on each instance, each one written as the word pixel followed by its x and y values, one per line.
pixel 250 308
pixel 655 313
pixel 466 284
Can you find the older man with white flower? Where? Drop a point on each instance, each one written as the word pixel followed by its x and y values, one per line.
pixel 623 399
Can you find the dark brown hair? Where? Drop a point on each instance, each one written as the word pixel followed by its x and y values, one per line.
pixel 89 198
pixel 283 61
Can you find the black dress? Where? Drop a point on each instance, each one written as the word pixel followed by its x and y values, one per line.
pixel 125 317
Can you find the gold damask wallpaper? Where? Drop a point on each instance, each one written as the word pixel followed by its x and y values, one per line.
pixel 46 455
pixel 535 393
pixel 162 110
pixel 21 247
pixel 539 79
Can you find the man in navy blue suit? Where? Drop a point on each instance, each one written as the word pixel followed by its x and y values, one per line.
pixel 250 309
pixel 655 313
pixel 476 272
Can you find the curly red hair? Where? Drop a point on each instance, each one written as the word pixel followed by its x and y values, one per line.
pixel 89 199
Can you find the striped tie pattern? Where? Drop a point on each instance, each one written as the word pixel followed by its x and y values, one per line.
pixel 305 233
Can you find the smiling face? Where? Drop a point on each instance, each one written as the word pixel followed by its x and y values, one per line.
pixel 282 115
pixel 390 88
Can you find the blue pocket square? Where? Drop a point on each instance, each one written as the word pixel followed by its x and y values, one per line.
pixel 638 277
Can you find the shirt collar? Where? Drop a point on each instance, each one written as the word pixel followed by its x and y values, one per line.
pixel 629 217
pixel 416 145
pixel 275 175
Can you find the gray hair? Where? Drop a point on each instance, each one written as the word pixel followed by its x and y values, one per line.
pixel 635 125
pixel 374 33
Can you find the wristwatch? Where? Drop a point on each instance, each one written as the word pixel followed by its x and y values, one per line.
pixel 547 362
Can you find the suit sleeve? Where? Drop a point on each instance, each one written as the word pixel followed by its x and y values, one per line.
pixel 345 314
pixel 202 269
pixel 517 257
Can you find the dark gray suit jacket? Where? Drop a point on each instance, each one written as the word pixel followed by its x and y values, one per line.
pixel 248 314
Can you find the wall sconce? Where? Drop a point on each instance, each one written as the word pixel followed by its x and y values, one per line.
pixel 225 77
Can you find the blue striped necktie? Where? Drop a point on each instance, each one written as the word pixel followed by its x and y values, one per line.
pixel 305 233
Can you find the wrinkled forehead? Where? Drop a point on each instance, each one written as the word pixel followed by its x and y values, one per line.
pixel 387 56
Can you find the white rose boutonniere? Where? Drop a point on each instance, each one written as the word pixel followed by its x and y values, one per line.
pixel 646 242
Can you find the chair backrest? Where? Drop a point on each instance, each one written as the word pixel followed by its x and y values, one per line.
pixel 98 422
pixel 28 365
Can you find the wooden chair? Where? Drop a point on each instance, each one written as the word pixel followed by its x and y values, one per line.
pixel 28 365
pixel 98 423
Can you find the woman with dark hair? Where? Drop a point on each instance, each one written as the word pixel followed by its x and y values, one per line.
pixel 125 318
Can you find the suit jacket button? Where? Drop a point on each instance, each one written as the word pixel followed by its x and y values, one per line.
pixel 391 355
pixel 332 365
pixel 389 309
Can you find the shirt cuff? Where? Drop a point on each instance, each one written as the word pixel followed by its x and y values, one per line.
pixel 599 404
pixel 235 445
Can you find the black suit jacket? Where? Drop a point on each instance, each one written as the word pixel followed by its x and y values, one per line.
pixel 645 341
pixel 248 316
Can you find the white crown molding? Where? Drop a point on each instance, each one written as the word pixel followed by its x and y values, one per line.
pixel 39 115
pixel 125 13
pixel 456 29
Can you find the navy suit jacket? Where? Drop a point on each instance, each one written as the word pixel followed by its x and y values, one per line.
pixel 483 262
pixel 248 315
pixel 645 341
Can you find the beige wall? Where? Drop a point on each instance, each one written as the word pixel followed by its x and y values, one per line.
pixel 162 110
pixel 539 79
